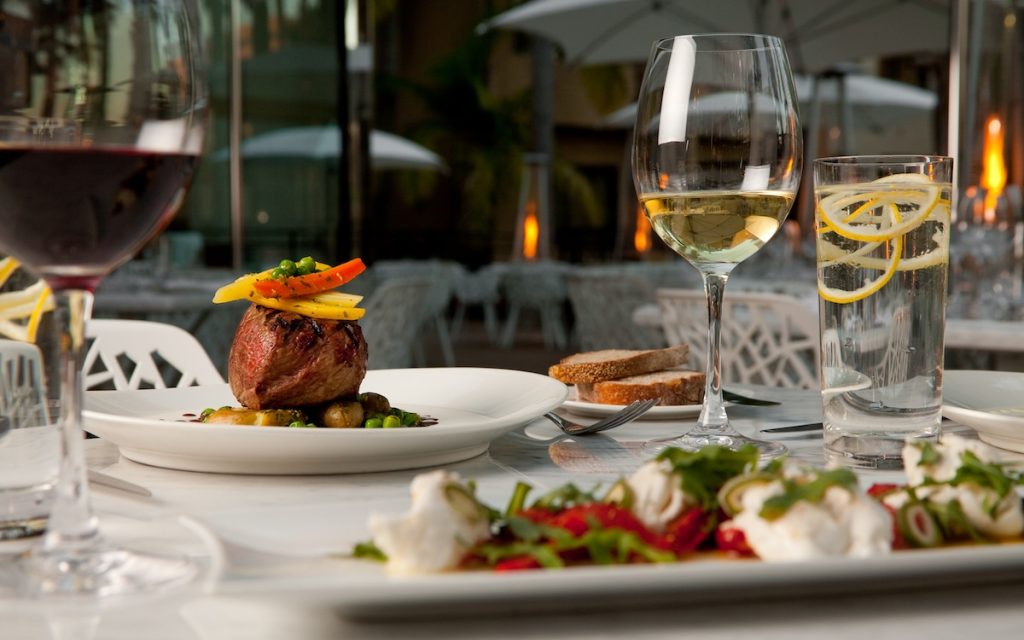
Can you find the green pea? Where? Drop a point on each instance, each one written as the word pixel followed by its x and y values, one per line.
pixel 390 422
pixel 410 419
pixel 288 267
pixel 306 265
pixel 373 423
pixel 278 274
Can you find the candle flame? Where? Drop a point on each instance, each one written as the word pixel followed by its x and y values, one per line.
pixel 993 173
pixel 642 235
pixel 531 231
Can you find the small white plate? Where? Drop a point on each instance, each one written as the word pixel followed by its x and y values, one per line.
pixel 596 410
pixel 472 406
pixel 991 402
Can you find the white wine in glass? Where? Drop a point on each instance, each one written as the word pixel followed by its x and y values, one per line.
pixel 716 163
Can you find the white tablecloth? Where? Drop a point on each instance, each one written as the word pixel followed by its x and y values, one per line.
pixel 318 513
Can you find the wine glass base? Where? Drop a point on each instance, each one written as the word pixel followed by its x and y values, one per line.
pixel 132 561
pixel 694 442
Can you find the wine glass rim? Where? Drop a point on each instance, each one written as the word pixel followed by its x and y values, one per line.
pixel 759 41
pixel 882 159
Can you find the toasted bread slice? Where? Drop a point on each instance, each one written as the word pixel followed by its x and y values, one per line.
pixel 674 387
pixel 610 364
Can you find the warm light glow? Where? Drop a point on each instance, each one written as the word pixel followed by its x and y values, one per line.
pixel 531 231
pixel 993 172
pixel 642 235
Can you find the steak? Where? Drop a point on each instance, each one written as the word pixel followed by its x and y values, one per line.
pixel 281 359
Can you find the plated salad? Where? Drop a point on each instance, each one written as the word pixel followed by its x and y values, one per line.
pixel 682 505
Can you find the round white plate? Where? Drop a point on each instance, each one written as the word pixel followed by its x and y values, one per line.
pixel 472 406
pixel 991 402
pixel 596 410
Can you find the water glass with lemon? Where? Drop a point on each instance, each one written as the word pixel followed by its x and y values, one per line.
pixel 882 227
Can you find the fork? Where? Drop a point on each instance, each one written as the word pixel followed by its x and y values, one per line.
pixel 628 413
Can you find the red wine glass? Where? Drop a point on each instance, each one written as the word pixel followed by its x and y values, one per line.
pixel 102 121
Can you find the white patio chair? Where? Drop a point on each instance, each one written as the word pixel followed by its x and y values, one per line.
pixel 538 287
pixel 440 276
pixel 767 338
pixel 477 288
pixel 139 354
pixel 22 385
pixel 603 304
pixel 392 325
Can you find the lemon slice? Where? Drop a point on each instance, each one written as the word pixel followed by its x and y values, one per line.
pixel 858 213
pixel 891 265
pixel 29 304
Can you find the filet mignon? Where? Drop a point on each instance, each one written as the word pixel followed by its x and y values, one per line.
pixel 280 359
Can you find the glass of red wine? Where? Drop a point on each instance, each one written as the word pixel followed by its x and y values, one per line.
pixel 102 120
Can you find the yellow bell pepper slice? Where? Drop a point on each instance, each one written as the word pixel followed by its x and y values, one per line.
pixel 331 305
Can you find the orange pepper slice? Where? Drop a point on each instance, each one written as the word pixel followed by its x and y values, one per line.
pixel 312 283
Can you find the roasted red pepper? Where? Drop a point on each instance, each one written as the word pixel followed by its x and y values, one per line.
pixel 311 283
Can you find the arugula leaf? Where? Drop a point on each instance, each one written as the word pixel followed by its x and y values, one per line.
pixel 984 474
pixel 704 472
pixel 564 497
pixel 929 454
pixel 369 551
pixel 812 491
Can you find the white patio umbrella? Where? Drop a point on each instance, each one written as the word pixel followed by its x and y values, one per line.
pixel 875 102
pixel 818 33
pixel 387 151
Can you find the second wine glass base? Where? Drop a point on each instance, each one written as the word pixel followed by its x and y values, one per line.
pixel 694 442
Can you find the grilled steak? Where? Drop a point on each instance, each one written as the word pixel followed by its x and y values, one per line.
pixel 281 359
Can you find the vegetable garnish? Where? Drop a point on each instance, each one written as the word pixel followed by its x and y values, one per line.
pixel 302 287
pixel 704 472
pixel 27 305
pixel 311 283
pixel 810 490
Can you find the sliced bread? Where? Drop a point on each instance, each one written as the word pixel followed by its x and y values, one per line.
pixel 611 364
pixel 675 387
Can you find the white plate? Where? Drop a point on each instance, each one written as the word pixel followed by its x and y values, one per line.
pixel 596 410
pixel 472 406
pixel 991 402
pixel 360 589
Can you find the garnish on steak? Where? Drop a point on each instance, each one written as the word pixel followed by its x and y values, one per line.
pixel 298 357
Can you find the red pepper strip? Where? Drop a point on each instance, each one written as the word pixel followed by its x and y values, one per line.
pixel 732 540
pixel 688 530
pixel 311 283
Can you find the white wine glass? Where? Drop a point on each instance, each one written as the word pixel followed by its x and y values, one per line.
pixel 717 154
pixel 103 113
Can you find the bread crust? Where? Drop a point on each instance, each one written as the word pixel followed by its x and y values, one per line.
pixel 677 387
pixel 613 364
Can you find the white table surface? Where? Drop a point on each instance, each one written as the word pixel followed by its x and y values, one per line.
pixel 261 509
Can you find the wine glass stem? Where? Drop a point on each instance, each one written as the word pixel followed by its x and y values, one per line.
pixel 712 416
pixel 72 524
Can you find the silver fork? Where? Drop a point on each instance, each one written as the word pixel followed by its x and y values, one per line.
pixel 628 413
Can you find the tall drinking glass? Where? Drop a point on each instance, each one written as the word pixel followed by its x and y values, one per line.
pixel 102 119
pixel 882 236
pixel 716 164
